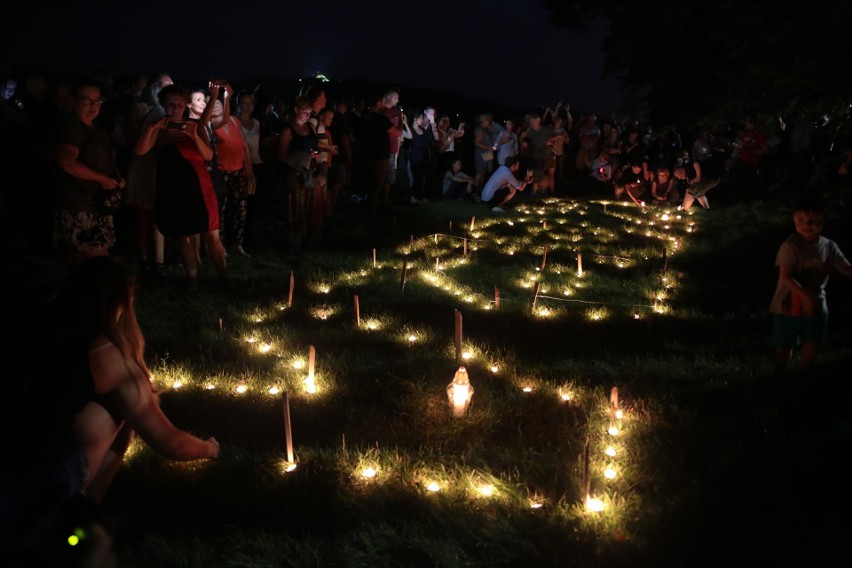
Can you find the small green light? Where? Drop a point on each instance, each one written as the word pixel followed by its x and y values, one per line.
pixel 79 535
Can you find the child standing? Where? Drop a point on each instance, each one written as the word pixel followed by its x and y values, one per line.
pixel 799 308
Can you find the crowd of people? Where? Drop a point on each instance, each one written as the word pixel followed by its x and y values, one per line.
pixel 206 168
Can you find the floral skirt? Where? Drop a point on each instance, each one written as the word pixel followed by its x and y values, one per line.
pixel 82 231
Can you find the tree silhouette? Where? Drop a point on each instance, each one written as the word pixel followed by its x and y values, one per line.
pixel 705 62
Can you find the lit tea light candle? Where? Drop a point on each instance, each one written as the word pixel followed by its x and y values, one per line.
pixel 433 487
pixel 241 389
pixel 610 451
pixel 610 473
pixel 369 472
pixel 594 505
pixel 459 392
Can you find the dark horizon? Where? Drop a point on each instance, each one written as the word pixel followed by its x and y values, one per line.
pixel 506 54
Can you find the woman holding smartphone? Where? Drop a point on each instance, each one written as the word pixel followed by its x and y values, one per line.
pixel 186 201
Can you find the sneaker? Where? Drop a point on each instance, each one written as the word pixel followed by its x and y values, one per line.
pixel 497 209
pixel 413 200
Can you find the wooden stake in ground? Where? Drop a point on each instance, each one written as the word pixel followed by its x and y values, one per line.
pixel 292 289
pixel 288 433
pixel 613 401
pixel 458 335
pixel 586 478
pixel 451 227
pixel 220 325
pixel 374 258
pixel 472 223
pixel 464 248
pixel 544 258
pixel 411 241
pixel 404 275
pixel 665 260
pixel 311 381
pixel 496 297
pixel 436 238
pixel 357 312
pixel 534 296
pixel 579 264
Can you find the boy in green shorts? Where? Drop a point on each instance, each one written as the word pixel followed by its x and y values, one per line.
pixel 799 308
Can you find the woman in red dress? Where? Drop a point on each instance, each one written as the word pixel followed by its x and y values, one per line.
pixel 186 201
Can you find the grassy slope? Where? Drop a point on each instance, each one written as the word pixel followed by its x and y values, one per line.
pixel 727 465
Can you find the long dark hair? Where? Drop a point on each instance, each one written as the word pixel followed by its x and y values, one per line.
pixel 99 294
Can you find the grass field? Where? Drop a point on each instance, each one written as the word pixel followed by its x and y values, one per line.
pixel 710 460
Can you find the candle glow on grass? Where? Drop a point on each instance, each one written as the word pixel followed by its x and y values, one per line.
pixel 444 281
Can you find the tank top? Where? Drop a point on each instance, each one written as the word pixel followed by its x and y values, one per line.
pixel 230 147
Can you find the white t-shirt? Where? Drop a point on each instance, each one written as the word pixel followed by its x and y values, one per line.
pixel 810 264
pixel 501 178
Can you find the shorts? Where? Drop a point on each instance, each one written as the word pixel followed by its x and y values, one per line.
pixel 499 195
pixel 790 331
pixel 481 165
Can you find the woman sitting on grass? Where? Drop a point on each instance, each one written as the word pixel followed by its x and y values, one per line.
pixel 93 394
pixel 457 184
pixel 664 190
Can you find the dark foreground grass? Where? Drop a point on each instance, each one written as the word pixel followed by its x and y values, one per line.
pixel 715 462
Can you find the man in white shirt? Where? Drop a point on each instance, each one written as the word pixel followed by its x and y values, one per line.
pixel 502 185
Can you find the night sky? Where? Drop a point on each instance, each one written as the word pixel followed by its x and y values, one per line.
pixel 503 51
